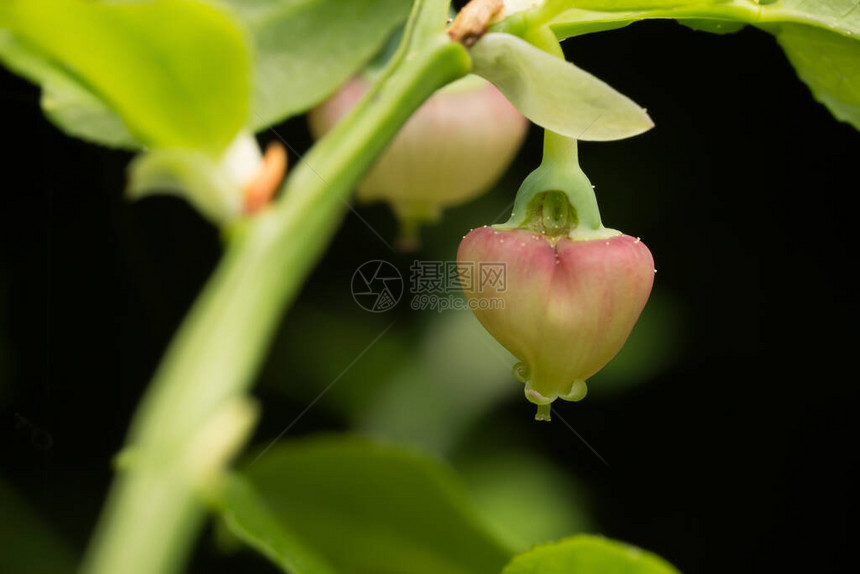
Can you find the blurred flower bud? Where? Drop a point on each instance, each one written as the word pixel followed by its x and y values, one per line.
pixel 455 147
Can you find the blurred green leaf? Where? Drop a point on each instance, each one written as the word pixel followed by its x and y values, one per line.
pixel 339 342
pixel 175 72
pixel 459 373
pixel 28 544
pixel 456 371
pixel 829 64
pixel 250 520
pixel 65 101
pixel 522 496
pixel 305 49
pixel 374 509
pixel 585 554
pixel 556 94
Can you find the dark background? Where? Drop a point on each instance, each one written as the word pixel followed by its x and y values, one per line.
pixel 733 457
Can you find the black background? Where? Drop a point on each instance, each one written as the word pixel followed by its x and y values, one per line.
pixel 735 460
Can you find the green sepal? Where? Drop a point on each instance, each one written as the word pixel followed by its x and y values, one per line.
pixel 558 173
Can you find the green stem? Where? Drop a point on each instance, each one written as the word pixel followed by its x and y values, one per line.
pixel 194 414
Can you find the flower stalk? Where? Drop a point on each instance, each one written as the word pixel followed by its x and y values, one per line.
pixel 156 505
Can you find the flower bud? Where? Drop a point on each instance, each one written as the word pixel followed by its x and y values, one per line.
pixel 451 150
pixel 568 305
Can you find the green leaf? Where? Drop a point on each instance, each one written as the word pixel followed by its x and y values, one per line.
pixel 585 554
pixel 65 101
pixel 306 49
pixel 245 516
pixel 820 38
pixel 840 16
pixel 458 373
pixel 176 72
pixel 374 509
pixel 719 16
pixel 829 64
pixel 556 94
pixel 623 5
pixel 522 496
pixel 573 18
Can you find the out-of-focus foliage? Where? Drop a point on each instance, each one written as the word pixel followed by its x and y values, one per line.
pixel 368 508
pixel 248 518
pixel 27 544
pixel 425 391
pixel 327 345
pixel 174 73
pixel 179 73
pixel 459 373
pixel 588 554
pixel 341 504
pixel 305 49
pixel 522 496
pixel 68 103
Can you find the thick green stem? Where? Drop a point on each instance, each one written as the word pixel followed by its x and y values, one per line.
pixel 195 414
